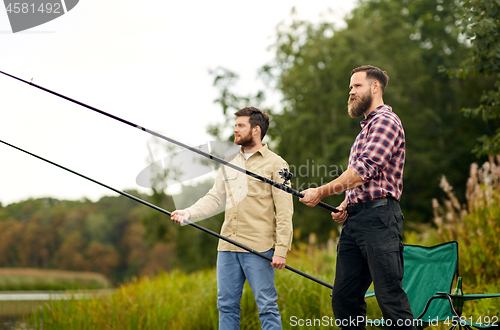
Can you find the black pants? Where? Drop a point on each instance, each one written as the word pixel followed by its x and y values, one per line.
pixel 370 249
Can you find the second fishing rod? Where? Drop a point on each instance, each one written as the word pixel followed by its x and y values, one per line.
pixel 278 185
pixel 159 209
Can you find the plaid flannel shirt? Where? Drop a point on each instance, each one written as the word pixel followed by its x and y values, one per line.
pixel 378 156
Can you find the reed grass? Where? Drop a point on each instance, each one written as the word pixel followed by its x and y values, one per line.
pixel 475 225
pixel 188 301
pixel 180 301
pixel 167 301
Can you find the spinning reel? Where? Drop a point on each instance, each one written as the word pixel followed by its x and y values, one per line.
pixel 285 174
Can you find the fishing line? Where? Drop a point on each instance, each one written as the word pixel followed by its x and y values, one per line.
pixel 206 230
pixel 198 151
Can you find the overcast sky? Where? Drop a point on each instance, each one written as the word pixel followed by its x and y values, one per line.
pixel 145 61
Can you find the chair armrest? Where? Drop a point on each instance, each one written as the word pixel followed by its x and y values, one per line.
pixel 439 295
pixel 480 296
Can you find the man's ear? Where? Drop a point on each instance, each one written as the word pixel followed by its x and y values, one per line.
pixel 256 130
pixel 376 86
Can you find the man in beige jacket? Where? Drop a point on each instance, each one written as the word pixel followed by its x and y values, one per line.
pixel 257 215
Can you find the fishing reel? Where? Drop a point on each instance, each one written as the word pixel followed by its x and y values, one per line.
pixel 285 174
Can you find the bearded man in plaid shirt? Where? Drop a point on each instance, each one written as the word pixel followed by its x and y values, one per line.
pixel 370 247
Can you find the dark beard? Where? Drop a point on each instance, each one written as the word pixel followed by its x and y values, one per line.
pixel 356 109
pixel 246 141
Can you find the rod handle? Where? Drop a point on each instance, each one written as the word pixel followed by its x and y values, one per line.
pixel 322 204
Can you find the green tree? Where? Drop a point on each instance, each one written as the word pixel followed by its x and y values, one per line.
pixel 479 22
pixel 409 39
pixel 225 81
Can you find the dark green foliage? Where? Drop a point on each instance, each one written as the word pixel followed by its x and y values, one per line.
pixel 478 20
pixel 409 39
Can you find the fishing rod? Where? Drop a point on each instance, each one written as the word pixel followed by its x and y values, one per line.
pixel 281 186
pixel 157 208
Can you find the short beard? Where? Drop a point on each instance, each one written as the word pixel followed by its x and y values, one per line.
pixel 356 109
pixel 246 142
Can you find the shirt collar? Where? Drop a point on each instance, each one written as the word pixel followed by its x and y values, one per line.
pixel 263 151
pixel 373 113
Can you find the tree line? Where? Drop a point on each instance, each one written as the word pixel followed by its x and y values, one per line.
pixel 108 236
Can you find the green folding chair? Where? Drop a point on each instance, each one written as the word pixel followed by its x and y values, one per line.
pixel 428 278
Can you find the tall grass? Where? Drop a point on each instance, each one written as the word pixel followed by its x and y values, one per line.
pixel 167 301
pixel 188 301
pixel 180 301
pixel 476 228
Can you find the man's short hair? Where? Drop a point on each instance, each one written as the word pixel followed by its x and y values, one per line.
pixel 372 72
pixel 257 118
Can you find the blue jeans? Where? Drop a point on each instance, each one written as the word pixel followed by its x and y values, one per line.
pixel 233 268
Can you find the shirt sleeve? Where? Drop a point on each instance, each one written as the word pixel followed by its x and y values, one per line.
pixel 283 204
pixel 377 149
pixel 212 201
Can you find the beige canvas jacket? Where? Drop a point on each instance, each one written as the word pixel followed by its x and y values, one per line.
pixel 257 215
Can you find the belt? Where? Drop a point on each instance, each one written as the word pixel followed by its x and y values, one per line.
pixel 352 208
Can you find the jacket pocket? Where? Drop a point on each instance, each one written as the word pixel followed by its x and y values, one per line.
pixel 257 188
